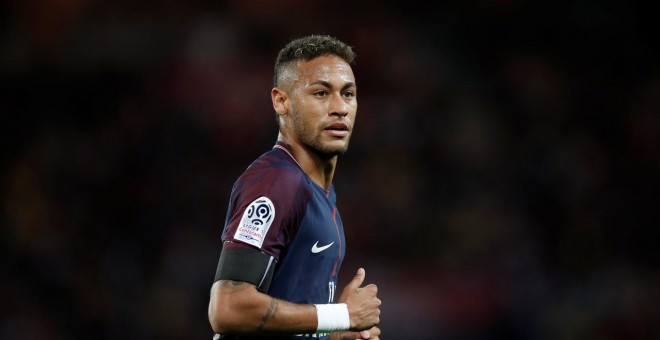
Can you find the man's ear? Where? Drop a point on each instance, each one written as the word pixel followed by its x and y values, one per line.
pixel 280 101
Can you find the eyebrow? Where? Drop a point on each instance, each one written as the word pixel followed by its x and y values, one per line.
pixel 329 85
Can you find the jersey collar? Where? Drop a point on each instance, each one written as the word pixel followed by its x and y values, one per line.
pixel 282 146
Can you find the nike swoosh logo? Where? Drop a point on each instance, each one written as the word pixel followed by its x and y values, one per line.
pixel 317 249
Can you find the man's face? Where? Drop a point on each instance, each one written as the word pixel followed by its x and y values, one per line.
pixel 323 105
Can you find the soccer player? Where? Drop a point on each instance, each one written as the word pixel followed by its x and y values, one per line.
pixel 283 240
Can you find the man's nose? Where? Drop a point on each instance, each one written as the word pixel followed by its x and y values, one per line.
pixel 338 105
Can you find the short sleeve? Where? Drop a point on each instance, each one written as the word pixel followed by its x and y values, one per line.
pixel 268 203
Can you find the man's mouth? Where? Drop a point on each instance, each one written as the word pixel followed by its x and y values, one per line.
pixel 337 130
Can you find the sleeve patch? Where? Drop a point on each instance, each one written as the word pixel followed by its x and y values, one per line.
pixel 255 222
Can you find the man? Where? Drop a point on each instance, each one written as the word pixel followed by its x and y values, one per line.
pixel 283 241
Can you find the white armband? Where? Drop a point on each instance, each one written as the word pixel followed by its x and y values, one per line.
pixel 332 317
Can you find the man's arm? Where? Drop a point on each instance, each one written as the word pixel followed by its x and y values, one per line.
pixel 237 307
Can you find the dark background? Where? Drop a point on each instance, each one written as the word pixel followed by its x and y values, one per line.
pixel 502 181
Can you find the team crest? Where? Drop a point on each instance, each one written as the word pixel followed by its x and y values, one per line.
pixel 255 222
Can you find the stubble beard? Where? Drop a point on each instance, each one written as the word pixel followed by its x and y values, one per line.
pixel 312 140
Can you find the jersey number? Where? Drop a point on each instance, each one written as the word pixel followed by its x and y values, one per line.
pixel 331 287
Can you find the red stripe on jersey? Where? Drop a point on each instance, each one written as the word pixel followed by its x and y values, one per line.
pixel 334 218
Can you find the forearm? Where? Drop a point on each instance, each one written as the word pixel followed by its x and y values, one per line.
pixel 238 308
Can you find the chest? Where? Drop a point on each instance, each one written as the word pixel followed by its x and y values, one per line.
pixel 321 224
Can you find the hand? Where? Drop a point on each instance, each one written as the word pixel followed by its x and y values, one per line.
pixel 371 334
pixel 363 304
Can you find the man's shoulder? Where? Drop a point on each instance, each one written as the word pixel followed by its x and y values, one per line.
pixel 273 171
pixel 275 163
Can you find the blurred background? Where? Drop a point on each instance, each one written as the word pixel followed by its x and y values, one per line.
pixel 502 181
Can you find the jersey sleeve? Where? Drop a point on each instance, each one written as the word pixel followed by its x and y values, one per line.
pixel 268 203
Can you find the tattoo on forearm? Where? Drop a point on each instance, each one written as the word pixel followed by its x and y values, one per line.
pixel 236 283
pixel 272 309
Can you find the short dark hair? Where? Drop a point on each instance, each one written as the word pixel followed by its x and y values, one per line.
pixel 310 47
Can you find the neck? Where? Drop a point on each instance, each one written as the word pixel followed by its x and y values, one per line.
pixel 320 169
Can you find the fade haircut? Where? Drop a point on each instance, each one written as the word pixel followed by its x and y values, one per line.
pixel 308 48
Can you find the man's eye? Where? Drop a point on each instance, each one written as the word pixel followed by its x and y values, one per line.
pixel 320 94
pixel 349 94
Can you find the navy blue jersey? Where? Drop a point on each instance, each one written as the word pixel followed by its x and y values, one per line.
pixel 277 209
